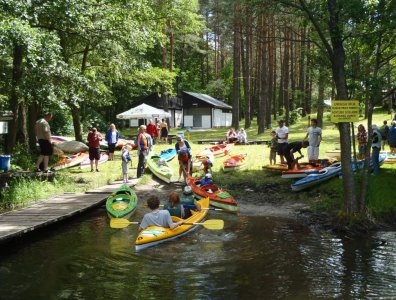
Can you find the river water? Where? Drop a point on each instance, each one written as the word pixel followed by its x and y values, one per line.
pixel 252 258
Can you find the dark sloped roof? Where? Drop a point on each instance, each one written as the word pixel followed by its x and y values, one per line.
pixel 210 100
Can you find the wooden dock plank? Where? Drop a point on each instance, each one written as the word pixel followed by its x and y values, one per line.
pixel 43 213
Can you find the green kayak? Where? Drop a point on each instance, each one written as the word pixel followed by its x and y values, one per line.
pixel 122 203
pixel 159 167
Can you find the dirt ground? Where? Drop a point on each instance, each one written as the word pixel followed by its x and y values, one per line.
pixel 251 202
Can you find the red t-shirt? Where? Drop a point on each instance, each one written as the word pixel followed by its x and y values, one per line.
pixel 152 130
pixel 94 139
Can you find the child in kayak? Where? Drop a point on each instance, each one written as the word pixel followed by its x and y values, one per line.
pixel 189 202
pixel 174 205
pixel 157 217
pixel 206 180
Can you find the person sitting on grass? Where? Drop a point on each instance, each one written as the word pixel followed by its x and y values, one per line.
pixel 231 136
pixel 242 136
pixel 292 163
pixel 157 217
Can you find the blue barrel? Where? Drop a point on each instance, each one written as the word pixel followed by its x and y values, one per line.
pixel 5 162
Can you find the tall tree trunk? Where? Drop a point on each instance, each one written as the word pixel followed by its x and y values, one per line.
pixel 292 70
pixel 286 76
pixel 307 92
pixel 207 51
pixel 301 84
pixel 263 96
pixel 236 87
pixel 76 121
pixel 17 74
pixel 202 70
pixel 171 43
pixel 338 69
pixel 281 79
pixel 321 87
pixel 270 76
pixel 23 135
pixel 246 67
pixel 274 112
pixel 32 113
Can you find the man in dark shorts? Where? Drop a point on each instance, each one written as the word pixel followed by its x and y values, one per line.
pixel 291 149
pixel 94 137
pixel 43 135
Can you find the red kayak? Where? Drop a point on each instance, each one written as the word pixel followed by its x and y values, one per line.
pixel 218 197
pixel 235 162
pixel 70 161
pixel 216 150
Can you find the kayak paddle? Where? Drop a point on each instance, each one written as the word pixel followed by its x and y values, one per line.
pixel 213 224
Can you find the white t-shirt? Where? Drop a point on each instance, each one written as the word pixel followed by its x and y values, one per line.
pixel 282 132
pixel 159 218
pixel 313 136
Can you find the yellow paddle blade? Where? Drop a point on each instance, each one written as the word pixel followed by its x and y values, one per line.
pixel 121 223
pixel 213 224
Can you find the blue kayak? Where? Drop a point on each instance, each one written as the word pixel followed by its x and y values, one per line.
pixel 327 173
pixel 168 154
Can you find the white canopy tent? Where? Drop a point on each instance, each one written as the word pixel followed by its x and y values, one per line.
pixel 143 111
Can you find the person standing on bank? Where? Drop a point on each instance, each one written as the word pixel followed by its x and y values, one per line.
pixel 43 135
pixel 282 134
pixel 376 147
pixel 152 130
pixel 112 139
pixel 164 131
pixel 94 137
pixel 314 136
pixel 183 150
pixel 142 144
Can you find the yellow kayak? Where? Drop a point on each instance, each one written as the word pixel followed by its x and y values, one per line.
pixel 154 235
pixel 279 167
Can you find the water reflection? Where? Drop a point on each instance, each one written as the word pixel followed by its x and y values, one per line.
pixel 252 257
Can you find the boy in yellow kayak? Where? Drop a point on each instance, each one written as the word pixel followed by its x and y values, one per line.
pixel 157 217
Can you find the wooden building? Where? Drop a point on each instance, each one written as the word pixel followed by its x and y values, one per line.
pixel 175 108
pixel 204 111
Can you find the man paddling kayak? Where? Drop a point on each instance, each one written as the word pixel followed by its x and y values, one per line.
pixel 157 217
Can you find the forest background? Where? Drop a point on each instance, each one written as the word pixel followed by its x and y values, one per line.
pixel 87 60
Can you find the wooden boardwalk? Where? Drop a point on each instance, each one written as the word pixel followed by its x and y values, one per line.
pixel 18 222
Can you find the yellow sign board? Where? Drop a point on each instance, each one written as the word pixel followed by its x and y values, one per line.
pixel 344 111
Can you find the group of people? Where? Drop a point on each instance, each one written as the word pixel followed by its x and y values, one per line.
pixel 158 132
pixel 280 145
pixel 387 134
pixel 239 137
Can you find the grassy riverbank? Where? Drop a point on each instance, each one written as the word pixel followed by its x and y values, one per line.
pixel 326 197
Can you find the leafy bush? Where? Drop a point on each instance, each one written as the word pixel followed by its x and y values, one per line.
pixel 294 116
pixel 21 158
